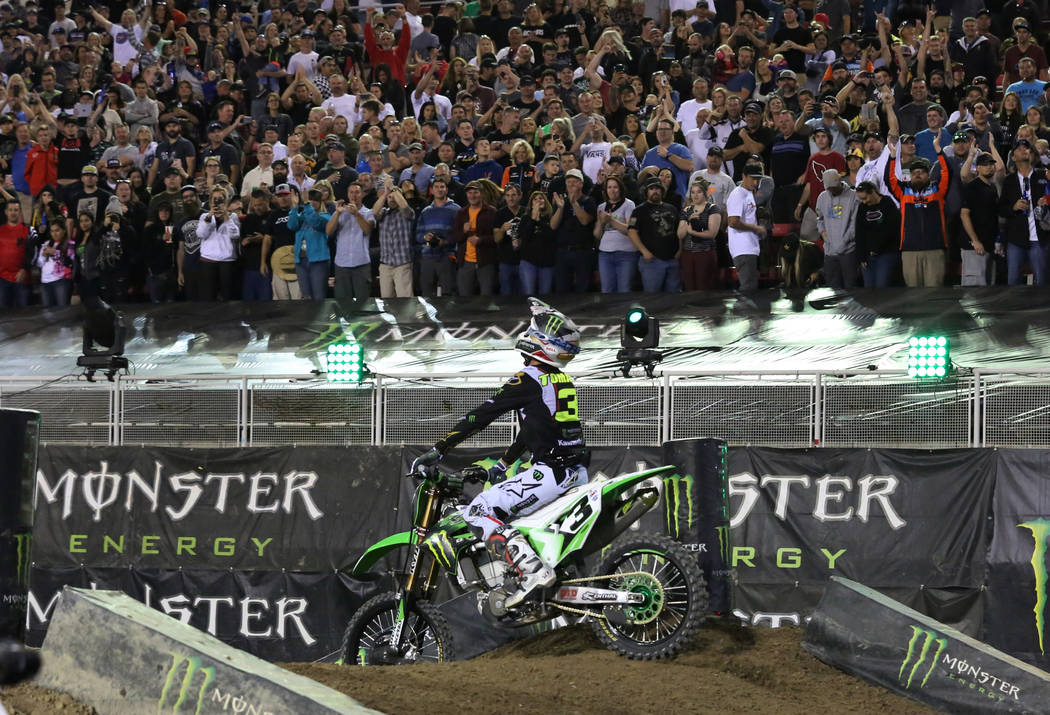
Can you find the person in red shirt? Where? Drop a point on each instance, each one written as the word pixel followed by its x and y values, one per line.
pixel 825 158
pixel 384 51
pixel 17 242
pixel 42 162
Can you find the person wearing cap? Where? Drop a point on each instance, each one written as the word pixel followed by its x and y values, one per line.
pixel 1028 89
pixel 924 237
pixel 829 120
pixel 1024 46
pixel 836 217
pixel 381 50
pixel 979 218
pixel 1023 199
pixel 653 229
pixel 285 281
pixel 719 184
pixel 974 51
pixel 174 151
pixel 744 229
pixel 473 232
pixel 824 158
pixel 754 138
pixel 877 236
pixel 89 198
pixel 228 156
pixel 61 24
pixel 574 213
pixel 418 171
pixel 304 62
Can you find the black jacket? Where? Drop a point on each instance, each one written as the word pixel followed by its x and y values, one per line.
pixel 1016 231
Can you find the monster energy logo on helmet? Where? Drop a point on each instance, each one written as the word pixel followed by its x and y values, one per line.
pixel 918 656
pixel 1040 529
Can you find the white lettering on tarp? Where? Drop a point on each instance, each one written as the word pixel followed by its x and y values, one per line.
pixel 292 609
pixel 186 482
pixel 212 605
pixel 99 497
pixel 224 484
pixel 33 609
pixel 258 490
pixel 773 620
pixel 247 616
pixel 174 606
pixel 872 490
pixel 100 490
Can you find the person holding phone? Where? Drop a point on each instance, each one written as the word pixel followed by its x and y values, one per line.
pixel 352 225
pixel 219 231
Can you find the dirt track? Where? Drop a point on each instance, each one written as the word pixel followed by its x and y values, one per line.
pixel 731 670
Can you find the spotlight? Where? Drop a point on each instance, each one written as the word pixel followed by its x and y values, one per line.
pixel 345 363
pixel 929 356
pixel 103 348
pixel 639 335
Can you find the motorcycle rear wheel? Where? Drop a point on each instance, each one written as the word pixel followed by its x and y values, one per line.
pixel 426 634
pixel 671 614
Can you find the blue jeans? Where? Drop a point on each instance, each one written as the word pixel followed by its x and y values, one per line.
pixel 660 276
pixel 313 279
pixel 535 280
pixel 1015 258
pixel 13 295
pixel 617 270
pixel 56 293
pixel 256 286
pixel 509 279
pixel 881 270
pixel 573 269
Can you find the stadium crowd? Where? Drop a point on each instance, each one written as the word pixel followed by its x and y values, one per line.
pixel 266 150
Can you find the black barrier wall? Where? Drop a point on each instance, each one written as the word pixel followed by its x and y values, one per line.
pixel 19 433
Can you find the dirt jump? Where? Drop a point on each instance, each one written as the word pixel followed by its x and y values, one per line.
pixel 729 669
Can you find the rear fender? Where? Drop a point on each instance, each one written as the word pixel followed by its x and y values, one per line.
pixel 380 549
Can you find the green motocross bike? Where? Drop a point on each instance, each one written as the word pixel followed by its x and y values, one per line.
pixel 645 600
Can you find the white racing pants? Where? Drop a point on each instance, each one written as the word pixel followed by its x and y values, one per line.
pixel 526 492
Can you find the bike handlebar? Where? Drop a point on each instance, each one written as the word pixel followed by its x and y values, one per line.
pixel 473 473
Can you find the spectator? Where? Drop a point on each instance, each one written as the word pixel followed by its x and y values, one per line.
pixel 285 282
pixel 255 248
pixel 508 242
pixel 434 237
pixel 819 162
pixel 473 233
pixel 719 184
pixel 56 258
pixel 160 248
pixel 17 243
pixel 1025 189
pixel 538 246
pixel 836 214
pixel 877 236
pixel 980 217
pixel 698 226
pixel 573 214
pixel 352 225
pixel 42 162
pixel 668 154
pixel 654 232
pixel 396 221
pixel 262 175
pixel 219 231
pixel 744 229
pixel 923 239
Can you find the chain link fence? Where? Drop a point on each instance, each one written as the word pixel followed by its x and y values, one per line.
pixel 859 409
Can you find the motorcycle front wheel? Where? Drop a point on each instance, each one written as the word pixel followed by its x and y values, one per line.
pixel 426 636
pixel 675 597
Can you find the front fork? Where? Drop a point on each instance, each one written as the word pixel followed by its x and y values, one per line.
pixel 419 568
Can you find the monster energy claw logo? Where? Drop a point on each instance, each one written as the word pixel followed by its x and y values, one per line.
pixel 193 666
pixel 674 486
pixel 723 542
pixel 22 543
pixel 1040 529
pixel 553 323
pixel 442 548
pixel 917 655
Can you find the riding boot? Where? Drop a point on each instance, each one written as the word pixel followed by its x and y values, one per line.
pixel 509 544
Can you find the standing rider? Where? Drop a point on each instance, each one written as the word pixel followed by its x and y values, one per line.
pixel 545 400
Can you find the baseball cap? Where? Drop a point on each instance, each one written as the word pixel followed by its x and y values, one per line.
pixel 172 120
pixel 615 160
pixel 336 146
pixel 307 33
pixel 821 129
pixel 527 79
pixel 753 170
pixel 215 126
pixel 1023 142
pixel 574 173
pixel 489 61
pixel 171 171
pixel 907 138
pixel 872 135
pixel 919 163
pixel 755 107
pixel 282 190
pixel 282 162
pixel 787 74
pixel 551 157
pixel 89 169
pixel 855 154
pixel 960 137
pixel 831 178
pixel 1022 25
pixel 984 158
pixel 715 149
pixel 653 183
pixel 113 164
pixel 414 146
pixel 188 187
pixel 258 193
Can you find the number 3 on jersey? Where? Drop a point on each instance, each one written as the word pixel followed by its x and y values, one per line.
pixel 566 402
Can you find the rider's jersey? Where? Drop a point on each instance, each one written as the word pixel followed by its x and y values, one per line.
pixel 545 400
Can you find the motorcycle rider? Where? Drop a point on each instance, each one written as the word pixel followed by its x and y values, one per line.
pixel 545 400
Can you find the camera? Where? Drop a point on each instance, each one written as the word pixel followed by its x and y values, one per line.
pixel 313 194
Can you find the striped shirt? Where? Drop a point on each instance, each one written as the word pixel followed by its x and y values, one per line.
pixel 396 236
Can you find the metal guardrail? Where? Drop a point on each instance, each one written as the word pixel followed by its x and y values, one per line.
pixel 770 408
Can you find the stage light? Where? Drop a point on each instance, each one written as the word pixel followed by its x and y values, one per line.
pixel 929 356
pixel 639 335
pixel 346 363
pixel 103 346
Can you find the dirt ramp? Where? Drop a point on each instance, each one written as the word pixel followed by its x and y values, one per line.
pixel 731 669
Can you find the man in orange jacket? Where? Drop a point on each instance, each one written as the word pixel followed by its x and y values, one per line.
pixel 42 162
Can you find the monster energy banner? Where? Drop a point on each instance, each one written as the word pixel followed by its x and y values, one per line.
pixel 19 430
pixel 911 523
pixel 1017 611
pixel 863 632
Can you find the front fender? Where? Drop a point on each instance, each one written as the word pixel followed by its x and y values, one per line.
pixel 380 549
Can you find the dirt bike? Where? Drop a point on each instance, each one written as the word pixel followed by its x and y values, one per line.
pixel 645 599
